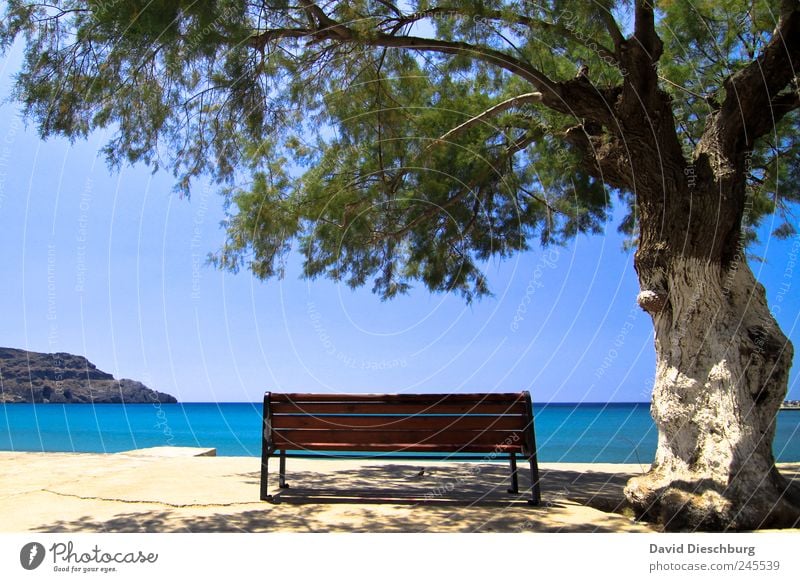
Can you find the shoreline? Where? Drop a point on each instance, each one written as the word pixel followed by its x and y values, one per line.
pixel 615 433
pixel 170 490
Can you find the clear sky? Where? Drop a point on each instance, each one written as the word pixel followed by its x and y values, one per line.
pixel 112 266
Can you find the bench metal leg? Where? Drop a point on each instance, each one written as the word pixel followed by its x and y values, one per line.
pixel 536 493
pixel 266 448
pixel 282 476
pixel 265 496
pixel 514 481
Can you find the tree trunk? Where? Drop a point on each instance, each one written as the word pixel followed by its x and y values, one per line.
pixel 722 371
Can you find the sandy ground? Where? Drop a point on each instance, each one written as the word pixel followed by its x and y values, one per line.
pixel 170 490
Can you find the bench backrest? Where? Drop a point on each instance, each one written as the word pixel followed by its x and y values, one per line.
pixel 466 423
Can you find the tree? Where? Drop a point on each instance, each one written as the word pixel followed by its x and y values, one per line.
pixel 395 142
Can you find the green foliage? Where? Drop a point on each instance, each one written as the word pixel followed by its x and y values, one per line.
pixel 349 151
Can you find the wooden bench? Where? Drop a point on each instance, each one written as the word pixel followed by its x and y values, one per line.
pixel 400 426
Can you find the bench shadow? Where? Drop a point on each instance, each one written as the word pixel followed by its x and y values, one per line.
pixel 386 498
pixel 465 485
pixel 468 485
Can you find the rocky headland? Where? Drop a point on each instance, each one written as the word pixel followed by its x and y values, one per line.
pixel 66 378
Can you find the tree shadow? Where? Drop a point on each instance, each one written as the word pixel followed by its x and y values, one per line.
pixel 389 498
pixel 306 520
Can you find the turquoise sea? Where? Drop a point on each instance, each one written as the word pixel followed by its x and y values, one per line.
pixel 612 433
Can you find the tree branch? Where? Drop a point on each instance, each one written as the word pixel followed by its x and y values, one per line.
pixel 640 54
pixel 485 54
pixel 645 30
pixel 497 15
pixel 576 97
pixel 752 99
pixel 494 110
pixel 341 34
pixel 613 30
pixel 779 107
pixel 601 158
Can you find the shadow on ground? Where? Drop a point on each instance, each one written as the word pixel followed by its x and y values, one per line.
pixel 390 498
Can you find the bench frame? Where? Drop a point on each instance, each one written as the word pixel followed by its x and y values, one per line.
pixel 272 440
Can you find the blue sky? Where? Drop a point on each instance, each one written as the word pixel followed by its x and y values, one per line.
pixel 112 266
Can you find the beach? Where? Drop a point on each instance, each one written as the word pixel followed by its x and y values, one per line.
pixel 170 489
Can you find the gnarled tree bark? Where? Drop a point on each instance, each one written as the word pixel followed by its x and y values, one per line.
pixel 722 371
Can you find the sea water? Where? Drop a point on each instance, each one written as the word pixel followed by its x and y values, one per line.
pixel 594 433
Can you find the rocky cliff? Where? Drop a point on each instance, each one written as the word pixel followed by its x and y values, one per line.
pixel 36 377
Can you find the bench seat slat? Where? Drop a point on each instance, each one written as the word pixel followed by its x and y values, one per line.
pixel 405 408
pixel 299 438
pixel 278 397
pixel 394 423
pixel 409 447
